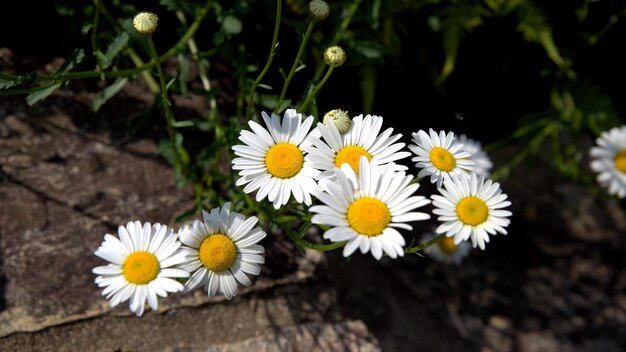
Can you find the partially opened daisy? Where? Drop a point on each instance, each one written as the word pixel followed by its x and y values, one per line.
pixel 221 251
pixel 366 209
pixel 439 156
pixel 141 265
pixel 446 251
pixel 482 163
pixel 609 160
pixel 273 163
pixel 471 207
pixel 361 139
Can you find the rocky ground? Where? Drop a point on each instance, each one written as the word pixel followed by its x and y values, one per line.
pixel 557 282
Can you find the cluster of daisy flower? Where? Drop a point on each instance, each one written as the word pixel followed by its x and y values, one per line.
pixel 147 259
pixel 363 198
pixel 350 167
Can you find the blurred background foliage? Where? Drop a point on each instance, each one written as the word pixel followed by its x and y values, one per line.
pixel 519 72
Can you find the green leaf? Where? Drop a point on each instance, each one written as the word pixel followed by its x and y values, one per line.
pixel 301 67
pixel 75 58
pixel 265 86
pixel 4 84
pixel 184 123
pixel 115 47
pixel 232 25
pixel 86 28
pixel 102 60
pixel 39 95
pixel 108 92
pixel 167 86
pixel 535 28
pixel 183 73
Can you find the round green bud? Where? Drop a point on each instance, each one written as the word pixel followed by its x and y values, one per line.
pixel 334 56
pixel 145 23
pixel 318 10
pixel 340 118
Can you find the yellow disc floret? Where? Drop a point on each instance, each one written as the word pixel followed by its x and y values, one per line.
pixel 442 159
pixel 620 160
pixel 217 252
pixel 284 160
pixel 351 155
pixel 140 268
pixel 368 216
pixel 472 211
pixel 446 245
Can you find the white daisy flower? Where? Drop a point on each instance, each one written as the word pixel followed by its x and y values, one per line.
pixel 221 251
pixel 366 209
pixel 469 206
pixel 140 268
pixel 609 160
pixel 482 163
pixel 362 138
pixel 440 156
pixel 273 162
pixel 446 251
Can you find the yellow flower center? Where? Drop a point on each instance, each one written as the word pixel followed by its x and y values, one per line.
pixel 351 155
pixel 140 268
pixel 284 160
pixel 472 211
pixel 217 252
pixel 442 159
pixel 368 216
pixel 446 245
pixel 620 160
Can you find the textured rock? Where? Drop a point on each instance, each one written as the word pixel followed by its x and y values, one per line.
pixel 63 187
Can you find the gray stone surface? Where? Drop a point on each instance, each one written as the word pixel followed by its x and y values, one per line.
pixel 63 186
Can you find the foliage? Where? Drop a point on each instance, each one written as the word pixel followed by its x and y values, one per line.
pixel 378 37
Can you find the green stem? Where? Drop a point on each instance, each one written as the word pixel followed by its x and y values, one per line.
pixel 295 65
pixel 426 244
pixel 339 32
pixel 94 28
pixel 169 117
pixel 322 247
pixel 128 72
pixel 314 92
pixel 26 90
pixel 279 4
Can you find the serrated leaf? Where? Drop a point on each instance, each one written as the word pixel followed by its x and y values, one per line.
pixel 39 95
pixel 265 86
pixel 4 84
pixel 108 92
pixel 75 58
pixel 86 28
pixel 184 123
pixel 102 60
pixel 115 47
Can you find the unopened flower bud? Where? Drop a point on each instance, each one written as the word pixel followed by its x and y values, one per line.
pixel 334 56
pixel 340 118
pixel 318 10
pixel 145 23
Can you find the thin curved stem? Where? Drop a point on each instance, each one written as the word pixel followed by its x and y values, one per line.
pixel 169 117
pixel 122 73
pixel 317 89
pixel 305 40
pixel 426 244
pixel 322 247
pixel 279 4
